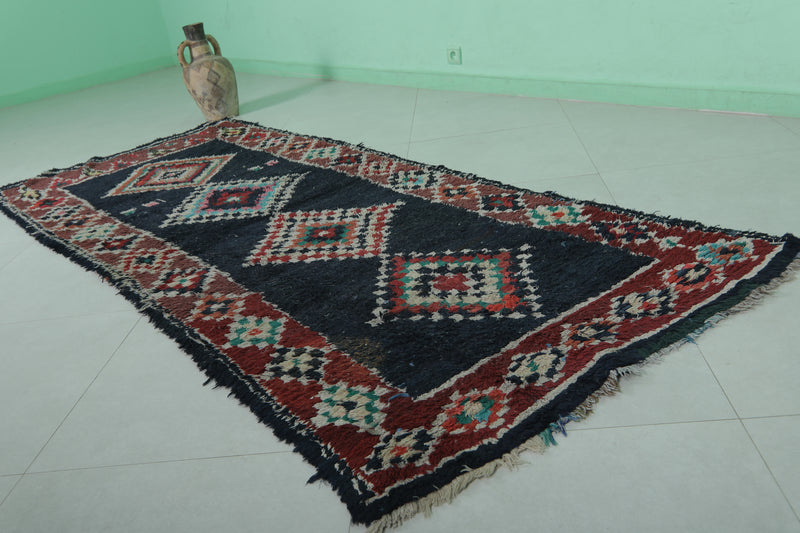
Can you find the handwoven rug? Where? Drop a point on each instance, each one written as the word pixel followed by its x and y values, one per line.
pixel 407 328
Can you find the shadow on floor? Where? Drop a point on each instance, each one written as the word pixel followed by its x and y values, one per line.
pixel 278 98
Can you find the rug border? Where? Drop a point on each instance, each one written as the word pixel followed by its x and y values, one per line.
pixel 225 375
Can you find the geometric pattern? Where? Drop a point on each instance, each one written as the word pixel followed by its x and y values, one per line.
pixel 358 405
pixel 323 235
pixel 148 260
pixel 174 174
pixel 400 449
pixel 691 276
pixel 97 231
pixel 634 305
pixel 247 331
pixel 501 202
pixel 460 285
pixel 408 180
pixel 472 412
pixel 546 215
pixel 723 251
pixel 295 364
pixel 117 243
pixel 575 336
pixel 537 368
pixel 217 306
pixel 180 281
pixel 236 199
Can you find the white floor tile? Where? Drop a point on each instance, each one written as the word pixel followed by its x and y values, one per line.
pixel 6 484
pixel 448 113
pixel 791 123
pixel 265 493
pixel 39 284
pixel 691 478
pixel 747 193
pixel 777 440
pixel 378 117
pixel 11 232
pixel 10 250
pixel 515 156
pixel 68 129
pixel 679 388
pixel 627 137
pixel 149 405
pixel 47 365
pixel 754 355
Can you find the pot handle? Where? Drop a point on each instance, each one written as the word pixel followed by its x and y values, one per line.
pixel 181 58
pixel 214 43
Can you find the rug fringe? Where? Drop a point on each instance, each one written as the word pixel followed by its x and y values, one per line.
pixel 545 439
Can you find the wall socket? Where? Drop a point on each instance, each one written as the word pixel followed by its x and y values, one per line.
pixel 454 55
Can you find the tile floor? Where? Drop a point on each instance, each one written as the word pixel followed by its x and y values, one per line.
pixel 105 424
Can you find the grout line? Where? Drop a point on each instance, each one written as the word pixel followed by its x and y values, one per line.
pixel 89 386
pixel 719 384
pixel 689 162
pixel 411 128
pixel 478 133
pixel 159 462
pixel 749 436
pixel 14 257
pixel 3 501
pixel 769 469
pixel 588 154
pixel 651 424
pixel 790 130
pixel 769 417
pixel 132 311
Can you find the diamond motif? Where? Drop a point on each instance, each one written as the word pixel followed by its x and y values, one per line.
pixel 549 215
pixel 324 235
pixel 216 306
pixel 342 404
pixel 501 202
pixel 256 331
pixel 402 448
pixel 117 243
pixel 579 335
pixel 295 364
pixel 723 252
pixel 173 174
pixel 627 232
pixel 148 260
pixel 413 180
pixel 467 284
pixel 181 281
pixel 536 368
pixel 636 305
pixel 236 199
pixel 477 410
pixel 692 276
pixel 99 231
pixel 455 192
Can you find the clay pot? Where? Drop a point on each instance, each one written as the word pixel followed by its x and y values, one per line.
pixel 208 76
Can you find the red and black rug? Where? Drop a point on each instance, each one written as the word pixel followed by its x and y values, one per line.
pixel 407 328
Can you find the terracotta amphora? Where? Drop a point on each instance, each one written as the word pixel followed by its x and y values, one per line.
pixel 208 76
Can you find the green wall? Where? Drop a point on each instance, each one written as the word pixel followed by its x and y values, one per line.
pixel 737 55
pixel 52 46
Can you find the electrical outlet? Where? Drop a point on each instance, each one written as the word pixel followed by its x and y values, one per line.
pixel 454 55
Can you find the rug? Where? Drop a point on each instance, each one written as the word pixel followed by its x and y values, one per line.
pixel 407 328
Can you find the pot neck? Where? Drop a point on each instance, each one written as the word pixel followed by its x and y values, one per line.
pixel 200 49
